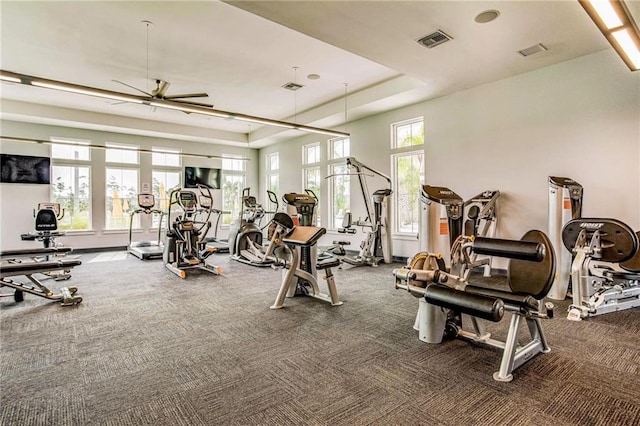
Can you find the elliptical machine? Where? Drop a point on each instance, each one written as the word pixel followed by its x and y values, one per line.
pixel 245 234
pixel 184 246
pixel 377 246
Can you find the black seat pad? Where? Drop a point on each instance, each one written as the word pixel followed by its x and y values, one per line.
pixel 633 264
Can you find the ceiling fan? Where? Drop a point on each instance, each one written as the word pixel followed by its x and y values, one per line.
pixel 160 93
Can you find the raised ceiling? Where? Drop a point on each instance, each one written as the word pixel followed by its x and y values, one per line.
pixel 241 53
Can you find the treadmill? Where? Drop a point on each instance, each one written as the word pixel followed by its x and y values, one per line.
pixel 146 250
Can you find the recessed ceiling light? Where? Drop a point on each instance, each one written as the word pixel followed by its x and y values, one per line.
pixel 313 76
pixel 487 16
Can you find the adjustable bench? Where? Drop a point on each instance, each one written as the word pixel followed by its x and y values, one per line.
pixel 445 297
pixel 18 263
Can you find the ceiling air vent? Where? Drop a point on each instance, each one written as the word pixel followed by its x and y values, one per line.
pixel 292 86
pixel 434 39
pixel 537 48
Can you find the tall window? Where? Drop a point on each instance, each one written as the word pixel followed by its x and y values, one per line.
pixel 233 182
pixel 408 172
pixel 165 177
pixel 71 182
pixel 339 187
pixel 273 166
pixel 121 188
pixel 311 173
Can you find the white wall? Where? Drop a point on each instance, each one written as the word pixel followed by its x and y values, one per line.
pixel 579 119
pixel 17 201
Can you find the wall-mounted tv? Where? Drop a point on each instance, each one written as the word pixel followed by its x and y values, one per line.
pixel 25 169
pixel 203 176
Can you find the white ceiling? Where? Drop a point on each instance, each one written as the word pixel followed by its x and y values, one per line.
pixel 241 53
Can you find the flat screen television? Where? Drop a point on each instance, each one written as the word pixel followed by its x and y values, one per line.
pixel 25 169
pixel 203 176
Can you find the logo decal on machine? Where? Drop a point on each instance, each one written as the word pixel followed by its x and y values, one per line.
pixel 591 225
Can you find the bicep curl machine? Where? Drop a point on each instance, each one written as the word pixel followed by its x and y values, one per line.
pixel 184 247
pixel 605 273
pixel 448 298
pixel 299 244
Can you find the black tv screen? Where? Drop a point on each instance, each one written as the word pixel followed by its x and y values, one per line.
pixel 203 176
pixel 25 169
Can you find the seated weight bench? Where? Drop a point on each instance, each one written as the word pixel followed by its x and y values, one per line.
pixel 445 297
pixel 299 240
pixel 26 263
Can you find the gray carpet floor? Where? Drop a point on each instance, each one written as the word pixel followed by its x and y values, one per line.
pixel 147 348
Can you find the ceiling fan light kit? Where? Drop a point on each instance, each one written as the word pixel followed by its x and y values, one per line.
pixel 169 102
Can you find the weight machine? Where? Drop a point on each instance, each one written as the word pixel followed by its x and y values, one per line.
pixel 565 204
pixel 377 246
pixel 184 247
pixel 453 223
pixel 605 273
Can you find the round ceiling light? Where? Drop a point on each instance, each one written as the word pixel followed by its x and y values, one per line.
pixel 487 16
pixel 313 76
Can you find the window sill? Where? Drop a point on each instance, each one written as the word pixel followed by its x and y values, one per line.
pixel 405 237
pixel 74 232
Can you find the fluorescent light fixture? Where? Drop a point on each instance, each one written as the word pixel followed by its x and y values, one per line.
pixel 55 141
pixel 87 91
pixel 9 78
pixel 160 103
pixel 616 23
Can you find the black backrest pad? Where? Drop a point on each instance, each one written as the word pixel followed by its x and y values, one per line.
pixel 633 264
pixel 533 278
pixel 283 220
pixel 511 249
pixel 618 241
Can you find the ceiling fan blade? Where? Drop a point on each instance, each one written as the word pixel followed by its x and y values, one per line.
pixel 187 95
pixel 192 103
pixel 135 88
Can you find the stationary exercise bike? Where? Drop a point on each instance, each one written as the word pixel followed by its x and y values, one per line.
pixel 184 246
pixel 46 230
pixel 245 234
pixel 605 273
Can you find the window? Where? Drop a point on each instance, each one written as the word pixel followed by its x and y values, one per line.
pixel 408 133
pixel 165 177
pixel 71 182
pixel 408 172
pixel 311 153
pixel 163 182
pixel 233 182
pixel 121 197
pixel 339 148
pixel 311 173
pixel 273 164
pixel 121 154
pixel 339 186
pixel 71 187
pixel 69 149
pixel 165 157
